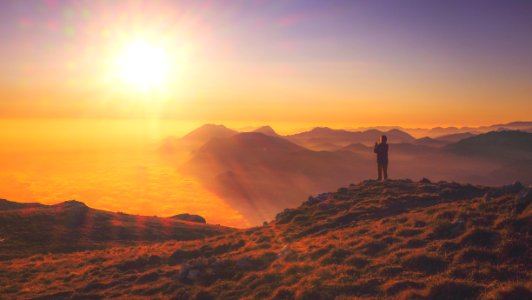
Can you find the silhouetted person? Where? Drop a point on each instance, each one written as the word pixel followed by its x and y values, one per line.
pixel 381 148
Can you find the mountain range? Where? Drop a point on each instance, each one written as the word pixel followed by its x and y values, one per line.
pixel 259 174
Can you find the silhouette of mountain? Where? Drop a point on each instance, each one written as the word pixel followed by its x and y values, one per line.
pixel 453 138
pixel 189 217
pixel 27 229
pixel 267 130
pixel 260 174
pixel 402 149
pixel 446 131
pixel 411 150
pixel 180 148
pixel 507 145
pixel 358 148
pixel 7 205
pixel 207 132
pixel 378 240
pixel 437 132
pixel 518 125
pixel 319 136
pixel 201 135
pixel 427 141
pixel 443 131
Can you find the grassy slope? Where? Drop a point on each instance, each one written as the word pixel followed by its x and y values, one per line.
pixel 27 229
pixel 398 239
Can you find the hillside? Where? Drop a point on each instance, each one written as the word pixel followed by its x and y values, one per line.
pixel 373 240
pixel 453 138
pixel 27 229
pixel 508 145
pixel 260 175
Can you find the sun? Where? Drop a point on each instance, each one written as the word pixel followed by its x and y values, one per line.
pixel 143 65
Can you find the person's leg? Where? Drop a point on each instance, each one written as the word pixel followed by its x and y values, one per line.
pixel 385 170
pixel 379 168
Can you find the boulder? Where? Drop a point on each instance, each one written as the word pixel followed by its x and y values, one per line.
pixel 190 218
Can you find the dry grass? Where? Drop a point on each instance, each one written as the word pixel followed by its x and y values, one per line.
pixel 398 239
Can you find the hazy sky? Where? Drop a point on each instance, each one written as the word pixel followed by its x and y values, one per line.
pixel 412 63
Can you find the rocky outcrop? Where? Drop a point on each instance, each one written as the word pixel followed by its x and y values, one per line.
pixel 190 218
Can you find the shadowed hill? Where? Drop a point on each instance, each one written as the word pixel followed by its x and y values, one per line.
pixel 194 139
pixel 27 229
pixel 449 131
pixel 430 142
pixel 375 240
pixel 6 205
pixel 190 218
pixel 207 132
pixel 509 145
pixel 259 174
pixel 453 138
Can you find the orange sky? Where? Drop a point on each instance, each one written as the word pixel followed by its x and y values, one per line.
pixel 78 118
pixel 340 65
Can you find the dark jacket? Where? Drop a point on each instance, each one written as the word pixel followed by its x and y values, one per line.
pixel 382 153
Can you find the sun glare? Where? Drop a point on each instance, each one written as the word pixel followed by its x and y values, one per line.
pixel 143 65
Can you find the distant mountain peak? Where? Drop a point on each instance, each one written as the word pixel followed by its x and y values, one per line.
pixel 321 129
pixel 267 130
pixel 212 126
pixel 208 131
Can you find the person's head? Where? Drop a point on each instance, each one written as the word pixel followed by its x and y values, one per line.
pixel 383 139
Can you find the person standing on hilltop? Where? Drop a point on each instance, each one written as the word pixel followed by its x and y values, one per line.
pixel 381 148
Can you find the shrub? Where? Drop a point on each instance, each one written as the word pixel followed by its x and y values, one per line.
pixel 448 230
pixel 481 238
pixel 513 292
pixel 452 290
pixel 319 253
pixel 180 256
pixel 374 248
pixel 149 277
pixel 336 256
pixel 409 232
pixel 283 293
pixel 425 264
pixel 446 215
pixel 404 285
pixel 203 295
pixel 420 224
pixel 358 262
pixel 415 243
pixel 478 255
pixel 514 249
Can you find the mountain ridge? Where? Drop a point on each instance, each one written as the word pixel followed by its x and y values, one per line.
pixel 31 228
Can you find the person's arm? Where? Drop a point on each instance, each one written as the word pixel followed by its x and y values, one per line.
pixel 375 148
